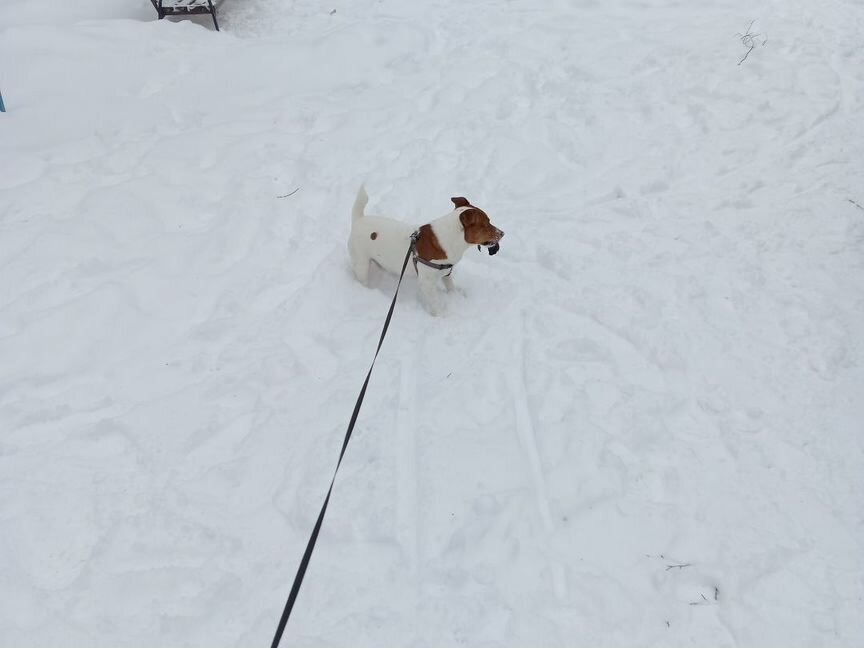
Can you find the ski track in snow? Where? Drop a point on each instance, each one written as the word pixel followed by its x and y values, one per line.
pixel 641 423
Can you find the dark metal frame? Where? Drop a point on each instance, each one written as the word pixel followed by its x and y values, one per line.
pixel 185 10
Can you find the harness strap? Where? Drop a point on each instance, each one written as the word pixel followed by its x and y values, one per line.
pixel 310 546
pixel 436 266
pixel 418 259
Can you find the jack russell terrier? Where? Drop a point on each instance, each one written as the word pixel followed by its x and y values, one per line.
pixel 436 246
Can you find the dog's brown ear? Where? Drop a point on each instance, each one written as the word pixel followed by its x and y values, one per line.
pixel 469 217
pixel 460 202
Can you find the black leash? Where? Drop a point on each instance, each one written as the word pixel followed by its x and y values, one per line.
pixel 310 546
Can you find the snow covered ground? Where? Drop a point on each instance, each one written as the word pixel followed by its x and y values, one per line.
pixel 643 424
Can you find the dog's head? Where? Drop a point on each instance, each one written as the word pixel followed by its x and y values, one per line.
pixel 476 227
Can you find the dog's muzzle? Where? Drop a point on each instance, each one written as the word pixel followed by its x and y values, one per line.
pixel 493 245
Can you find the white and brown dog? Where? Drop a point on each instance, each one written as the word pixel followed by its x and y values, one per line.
pixel 438 247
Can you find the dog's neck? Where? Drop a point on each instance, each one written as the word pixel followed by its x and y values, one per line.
pixel 451 236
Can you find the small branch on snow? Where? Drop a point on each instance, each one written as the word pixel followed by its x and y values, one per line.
pixel 681 566
pixel 740 35
pixel 290 194
pixel 748 40
pixel 856 204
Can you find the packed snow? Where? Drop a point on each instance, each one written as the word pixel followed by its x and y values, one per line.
pixel 640 424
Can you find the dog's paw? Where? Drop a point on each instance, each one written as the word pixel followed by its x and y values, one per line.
pixel 450 287
pixel 434 312
pixel 459 290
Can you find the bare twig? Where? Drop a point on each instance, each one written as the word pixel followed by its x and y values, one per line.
pixel 749 41
pixel 681 566
pixel 856 204
pixel 290 194
pixel 740 35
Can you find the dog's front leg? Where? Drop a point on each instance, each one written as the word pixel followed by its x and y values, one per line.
pixel 449 286
pixel 428 285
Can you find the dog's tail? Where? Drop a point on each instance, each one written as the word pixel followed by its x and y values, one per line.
pixel 360 203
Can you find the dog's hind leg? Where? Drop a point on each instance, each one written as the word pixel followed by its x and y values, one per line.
pixel 360 266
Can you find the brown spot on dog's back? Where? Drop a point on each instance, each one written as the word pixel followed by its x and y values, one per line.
pixel 428 246
pixel 373 235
